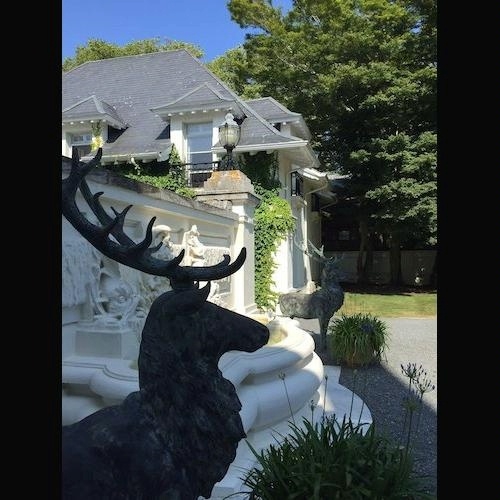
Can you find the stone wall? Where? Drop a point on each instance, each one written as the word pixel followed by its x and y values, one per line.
pixel 416 266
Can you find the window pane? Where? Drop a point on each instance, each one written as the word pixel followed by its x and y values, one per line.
pixel 199 142
pixel 203 159
pixel 82 138
pixel 199 129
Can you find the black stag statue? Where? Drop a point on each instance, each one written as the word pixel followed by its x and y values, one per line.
pixel 322 303
pixel 175 437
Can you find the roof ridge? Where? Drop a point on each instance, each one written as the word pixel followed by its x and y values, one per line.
pixel 80 102
pixel 123 57
pixel 191 92
pixel 98 104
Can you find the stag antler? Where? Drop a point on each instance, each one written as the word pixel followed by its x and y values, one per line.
pixel 125 250
pixel 315 254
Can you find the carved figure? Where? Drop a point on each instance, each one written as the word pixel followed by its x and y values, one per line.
pixel 162 231
pixel 195 249
pixel 321 304
pixel 176 436
pixel 121 299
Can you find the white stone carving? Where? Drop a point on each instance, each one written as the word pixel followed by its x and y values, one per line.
pixel 80 265
pixel 161 232
pixel 118 297
pixel 194 248
pixel 197 255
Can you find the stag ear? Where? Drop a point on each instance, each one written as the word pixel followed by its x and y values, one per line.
pixel 188 301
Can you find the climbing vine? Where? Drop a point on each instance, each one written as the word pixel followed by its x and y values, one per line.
pixel 273 222
pixel 172 176
pixel 97 140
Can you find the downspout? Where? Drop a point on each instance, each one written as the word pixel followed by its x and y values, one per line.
pixel 317 189
pixel 307 259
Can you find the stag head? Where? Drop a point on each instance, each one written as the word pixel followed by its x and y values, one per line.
pixel 110 239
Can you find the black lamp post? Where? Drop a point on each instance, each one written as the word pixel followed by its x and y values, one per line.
pixel 229 135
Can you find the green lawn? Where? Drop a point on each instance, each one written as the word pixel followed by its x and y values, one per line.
pixel 384 302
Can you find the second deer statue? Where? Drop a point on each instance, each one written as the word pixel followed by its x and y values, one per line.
pixel 322 303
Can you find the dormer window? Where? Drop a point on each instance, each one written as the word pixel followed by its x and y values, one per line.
pixel 82 141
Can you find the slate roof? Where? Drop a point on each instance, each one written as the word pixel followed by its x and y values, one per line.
pixel 133 86
pixel 272 110
pixel 91 107
pixel 202 97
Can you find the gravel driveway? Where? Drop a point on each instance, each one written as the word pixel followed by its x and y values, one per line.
pixel 383 387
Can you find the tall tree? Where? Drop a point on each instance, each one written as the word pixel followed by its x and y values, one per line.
pixel 96 49
pixel 363 74
pixel 232 69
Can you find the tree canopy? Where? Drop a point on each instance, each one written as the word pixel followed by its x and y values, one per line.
pixel 356 69
pixel 232 68
pixel 96 49
pixel 363 75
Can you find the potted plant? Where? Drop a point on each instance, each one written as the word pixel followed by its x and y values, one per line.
pixel 357 339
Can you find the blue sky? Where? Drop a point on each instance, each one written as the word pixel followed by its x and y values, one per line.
pixel 206 23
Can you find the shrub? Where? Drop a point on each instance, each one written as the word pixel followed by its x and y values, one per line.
pixel 345 461
pixel 357 340
pixel 333 460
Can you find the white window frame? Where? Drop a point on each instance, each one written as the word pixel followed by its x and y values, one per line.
pixel 206 132
pixel 85 141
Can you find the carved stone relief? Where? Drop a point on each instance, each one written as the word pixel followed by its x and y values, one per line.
pixel 118 297
pixel 198 254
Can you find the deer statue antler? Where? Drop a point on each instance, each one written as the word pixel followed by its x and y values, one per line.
pixel 315 254
pixel 318 255
pixel 125 250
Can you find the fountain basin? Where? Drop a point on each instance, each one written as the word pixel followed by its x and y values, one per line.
pixel 277 379
pixel 266 398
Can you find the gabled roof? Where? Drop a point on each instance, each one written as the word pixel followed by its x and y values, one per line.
pixel 274 112
pixel 92 108
pixel 140 88
pixel 203 97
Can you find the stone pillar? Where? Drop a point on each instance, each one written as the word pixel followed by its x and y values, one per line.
pixel 232 190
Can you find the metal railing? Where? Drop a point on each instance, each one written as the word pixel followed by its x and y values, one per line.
pixel 198 173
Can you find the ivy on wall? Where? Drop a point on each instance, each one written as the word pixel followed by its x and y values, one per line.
pixel 164 175
pixel 273 222
pixel 97 140
pixel 273 216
